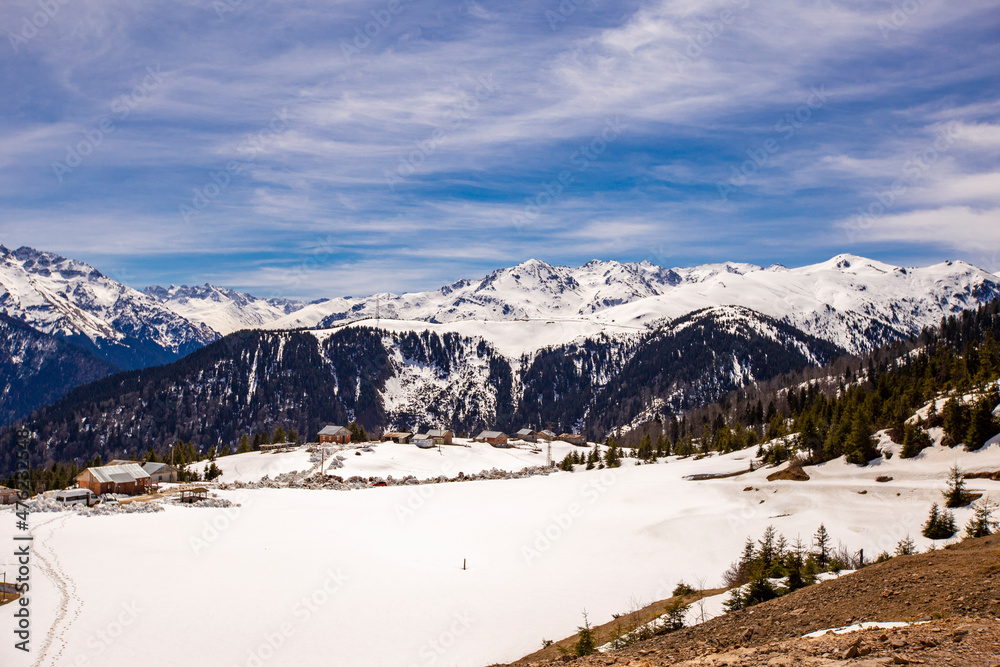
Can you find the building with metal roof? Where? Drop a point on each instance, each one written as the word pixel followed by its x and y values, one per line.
pixel 128 478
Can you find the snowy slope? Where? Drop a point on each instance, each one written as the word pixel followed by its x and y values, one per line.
pixel 851 301
pixel 69 298
pixel 530 290
pixel 375 577
pixel 224 310
pixel 387 459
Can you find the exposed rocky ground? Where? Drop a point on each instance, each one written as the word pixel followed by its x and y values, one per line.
pixel 957 589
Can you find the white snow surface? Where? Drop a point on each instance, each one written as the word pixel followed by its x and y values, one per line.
pixel 375 577
pixel 224 310
pixel 857 627
pixel 391 459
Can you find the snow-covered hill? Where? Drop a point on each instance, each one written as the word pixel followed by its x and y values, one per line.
pixel 68 298
pixel 853 302
pixel 224 310
pixel 346 557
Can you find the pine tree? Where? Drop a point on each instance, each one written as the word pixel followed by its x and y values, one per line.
pixel 956 421
pixel 982 424
pixel 982 524
pixel 822 541
pixel 940 525
pixel 612 457
pixel 956 495
pixel 915 440
pixel 861 445
pixel 279 435
pixel 244 445
pixel 587 643
pixel 906 547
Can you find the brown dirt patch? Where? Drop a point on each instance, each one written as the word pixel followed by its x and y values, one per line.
pixel 622 624
pixel 959 582
pixel 792 472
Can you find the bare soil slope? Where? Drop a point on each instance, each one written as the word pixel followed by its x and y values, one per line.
pixel 958 588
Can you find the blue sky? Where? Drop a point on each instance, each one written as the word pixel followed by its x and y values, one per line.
pixel 309 149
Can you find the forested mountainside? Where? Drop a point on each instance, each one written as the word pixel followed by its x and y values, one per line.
pixel 38 368
pixel 944 379
pixel 254 381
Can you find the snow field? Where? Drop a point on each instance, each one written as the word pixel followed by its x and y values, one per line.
pixel 374 577
pixel 389 458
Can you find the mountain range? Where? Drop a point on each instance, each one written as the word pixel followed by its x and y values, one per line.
pixel 588 348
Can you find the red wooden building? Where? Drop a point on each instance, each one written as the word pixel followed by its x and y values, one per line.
pixel 128 478
pixel 332 433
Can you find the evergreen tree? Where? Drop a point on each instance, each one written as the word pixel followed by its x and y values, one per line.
pixel 982 524
pixel 151 456
pixel 613 457
pixel 940 525
pixel 244 445
pixel 956 421
pixel 906 547
pixel 587 643
pixel 212 471
pixel 956 495
pixel 982 424
pixel 279 435
pixel 822 541
pixel 861 445
pixel 915 440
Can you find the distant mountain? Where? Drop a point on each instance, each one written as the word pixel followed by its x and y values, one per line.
pixel 224 310
pixel 253 381
pixel 591 347
pixel 852 302
pixel 73 300
pixel 37 368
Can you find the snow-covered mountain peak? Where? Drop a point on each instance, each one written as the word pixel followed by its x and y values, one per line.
pixel 224 310
pixel 70 298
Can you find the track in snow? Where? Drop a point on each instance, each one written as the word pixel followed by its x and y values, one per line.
pixel 70 603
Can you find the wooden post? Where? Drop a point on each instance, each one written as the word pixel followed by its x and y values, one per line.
pixel 463 563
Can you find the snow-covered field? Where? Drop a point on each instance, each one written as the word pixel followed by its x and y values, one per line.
pixel 382 459
pixel 375 577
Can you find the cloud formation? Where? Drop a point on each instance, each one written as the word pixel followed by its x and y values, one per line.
pixel 417 134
